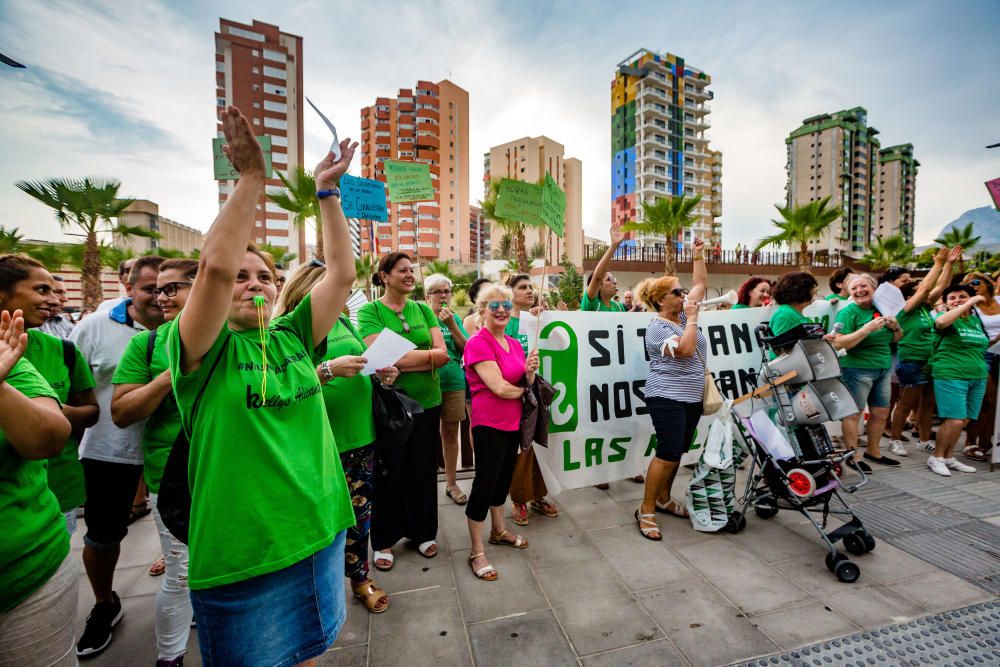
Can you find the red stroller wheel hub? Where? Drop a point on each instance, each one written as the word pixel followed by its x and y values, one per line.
pixel 801 483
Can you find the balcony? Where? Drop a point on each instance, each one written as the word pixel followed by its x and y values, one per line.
pixel 648 112
pixel 651 157
pixel 650 93
pixel 382 115
pixel 697 138
pixel 696 94
pixel 697 123
pixel 429 113
pixel 428 99
pixel 701 108
pixel 406 107
pixel 424 141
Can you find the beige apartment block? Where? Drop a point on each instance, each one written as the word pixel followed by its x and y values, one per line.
pixel 258 68
pixel 529 159
pixel 897 184
pixel 173 235
pixel 430 124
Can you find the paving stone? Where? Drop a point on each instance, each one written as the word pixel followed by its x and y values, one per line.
pixel 591 508
pixel 125 578
pixel 355 628
pixel 704 626
pixel 581 582
pixel 649 654
pixel 412 571
pixel 352 656
pixel 626 491
pixel 871 606
pixel 557 542
pixel 528 639
pixel 772 541
pixel 606 623
pixel 641 563
pixel 810 572
pixel 134 638
pixel 801 625
pixel 427 619
pixel 676 531
pixel 724 564
pixel 938 591
pixel 514 591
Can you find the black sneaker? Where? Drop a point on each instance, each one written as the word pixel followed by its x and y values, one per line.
pixel 97 634
pixel 882 460
pixel 859 465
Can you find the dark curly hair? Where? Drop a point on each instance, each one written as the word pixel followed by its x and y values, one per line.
pixel 749 285
pixel 794 287
pixel 385 265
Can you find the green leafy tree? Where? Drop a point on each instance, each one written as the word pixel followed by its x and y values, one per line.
pixel 442 267
pixel 801 224
pixel 10 241
pixel 279 254
pixel 88 207
pixel 169 253
pixel 364 268
pixel 299 198
pixel 891 251
pixel 569 290
pixel 666 218
pixel 53 256
pixel 925 260
pixel 537 251
pixel 959 236
pixel 514 228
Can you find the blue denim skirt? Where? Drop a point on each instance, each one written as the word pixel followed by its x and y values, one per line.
pixel 277 619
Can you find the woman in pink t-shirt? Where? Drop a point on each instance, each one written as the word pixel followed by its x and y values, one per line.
pixel 495 366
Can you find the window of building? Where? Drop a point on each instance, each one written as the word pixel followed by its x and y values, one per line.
pixel 275 106
pixel 256 121
pixel 240 32
pixel 220 66
pixel 274 72
pixel 221 101
pixel 272 89
pixel 255 70
pixel 255 53
pixel 279 141
pixel 271 54
pixel 276 123
pixel 256 105
pixel 278 241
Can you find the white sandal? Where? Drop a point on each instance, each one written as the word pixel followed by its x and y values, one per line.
pixel 485 571
pixel 383 555
pixel 647 526
pixel 424 546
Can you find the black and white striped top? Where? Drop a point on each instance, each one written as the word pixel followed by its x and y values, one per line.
pixel 669 377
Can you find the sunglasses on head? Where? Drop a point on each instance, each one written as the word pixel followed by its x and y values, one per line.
pixel 170 289
pixel 317 264
pixel 494 306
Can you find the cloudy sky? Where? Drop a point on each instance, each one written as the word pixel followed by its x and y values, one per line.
pixel 126 89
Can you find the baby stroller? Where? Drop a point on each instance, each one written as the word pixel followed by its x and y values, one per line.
pixel 793 464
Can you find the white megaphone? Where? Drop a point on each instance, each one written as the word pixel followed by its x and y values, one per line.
pixel 729 297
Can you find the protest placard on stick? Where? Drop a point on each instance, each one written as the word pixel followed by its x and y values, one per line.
pixel 408 181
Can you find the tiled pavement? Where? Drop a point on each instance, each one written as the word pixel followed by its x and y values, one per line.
pixel 590 591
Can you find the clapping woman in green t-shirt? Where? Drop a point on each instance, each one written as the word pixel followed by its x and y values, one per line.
pixel 269 504
pixel 406 497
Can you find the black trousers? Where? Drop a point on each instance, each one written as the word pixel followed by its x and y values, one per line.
pixel 496 453
pixel 405 503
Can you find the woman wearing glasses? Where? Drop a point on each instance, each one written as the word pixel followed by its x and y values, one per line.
pixel 143 392
pixel 495 366
pixel 980 431
pixel 406 501
pixel 437 288
pixel 675 385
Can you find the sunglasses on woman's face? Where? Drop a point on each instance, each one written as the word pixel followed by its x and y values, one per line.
pixel 494 306
pixel 976 283
pixel 679 292
pixel 170 289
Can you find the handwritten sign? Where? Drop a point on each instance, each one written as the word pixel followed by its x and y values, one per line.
pixel 224 171
pixel 994 188
pixel 363 198
pixel 520 201
pixel 408 181
pixel 553 206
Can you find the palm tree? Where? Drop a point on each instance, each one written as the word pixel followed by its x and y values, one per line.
pixel 666 217
pixel 442 267
pixel 959 236
pixel 299 198
pixel 91 206
pixel 364 268
pixel 53 256
pixel 10 241
pixel 279 254
pixel 801 224
pixel 537 250
pixel 505 246
pixel 891 251
pixel 488 209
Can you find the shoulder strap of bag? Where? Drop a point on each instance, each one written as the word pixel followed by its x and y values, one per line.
pixel 69 356
pixel 150 345
pixel 204 385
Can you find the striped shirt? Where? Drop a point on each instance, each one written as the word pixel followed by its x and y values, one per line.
pixel 669 377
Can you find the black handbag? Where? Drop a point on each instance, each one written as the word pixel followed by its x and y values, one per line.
pixel 174 500
pixel 392 411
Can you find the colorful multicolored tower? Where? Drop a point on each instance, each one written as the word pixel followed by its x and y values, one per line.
pixel 659 143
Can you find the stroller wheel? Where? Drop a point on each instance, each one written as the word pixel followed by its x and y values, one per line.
pixel 766 508
pixel 855 543
pixel 847 571
pixel 869 541
pixel 736 523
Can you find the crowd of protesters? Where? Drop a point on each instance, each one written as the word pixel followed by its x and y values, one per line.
pixel 259 383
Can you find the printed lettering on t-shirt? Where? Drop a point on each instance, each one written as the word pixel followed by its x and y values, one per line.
pixel 256 401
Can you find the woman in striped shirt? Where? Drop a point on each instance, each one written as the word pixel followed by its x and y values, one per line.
pixel 675 385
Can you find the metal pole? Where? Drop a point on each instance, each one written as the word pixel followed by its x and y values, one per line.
pixel 479 245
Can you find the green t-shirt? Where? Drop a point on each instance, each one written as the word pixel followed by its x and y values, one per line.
pixel 451 374
pixel 596 305
pixel 35 541
pixel 917 342
pixel 958 353
pixel 784 318
pixel 873 351
pixel 348 400
pixel 513 324
pixel 831 297
pixel 739 306
pixel 421 386
pixel 46 354
pixel 163 426
pixel 267 487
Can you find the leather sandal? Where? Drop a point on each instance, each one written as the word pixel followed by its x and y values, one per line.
pixel 520 514
pixel 371 596
pixel 647 526
pixel 487 572
pixel 456 495
pixel 544 507
pixel 518 543
pixel 673 508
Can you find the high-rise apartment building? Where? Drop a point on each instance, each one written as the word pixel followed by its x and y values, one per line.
pixel 836 155
pixel 897 184
pixel 529 159
pixel 659 146
pixel 428 123
pixel 259 69
pixel 479 235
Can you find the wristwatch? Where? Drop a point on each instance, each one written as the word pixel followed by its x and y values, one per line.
pixel 323 194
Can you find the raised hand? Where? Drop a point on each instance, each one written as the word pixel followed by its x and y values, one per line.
pixel 955 254
pixel 699 245
pixel 13 341
pixel 617 237
pixel 328 171
pixel 941 256
pixel 241 147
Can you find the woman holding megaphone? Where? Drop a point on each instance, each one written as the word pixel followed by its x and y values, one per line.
pixel 675 385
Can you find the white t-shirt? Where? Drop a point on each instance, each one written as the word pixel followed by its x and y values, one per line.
pixel 107 304
pixel 102 338
pixel 990 322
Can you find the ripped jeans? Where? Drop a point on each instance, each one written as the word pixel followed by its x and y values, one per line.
pixel 173 611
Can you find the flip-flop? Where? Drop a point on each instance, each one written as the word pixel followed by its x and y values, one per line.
pixel 424 547
pixel 383 555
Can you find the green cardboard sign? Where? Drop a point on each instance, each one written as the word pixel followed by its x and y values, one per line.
pixel 520 201
pixel 408 181
pixel 553 206
pixel 224 171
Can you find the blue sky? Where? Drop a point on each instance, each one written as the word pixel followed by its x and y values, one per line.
pixel 126 90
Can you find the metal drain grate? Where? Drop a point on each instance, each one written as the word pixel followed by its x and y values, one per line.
pixel 967 636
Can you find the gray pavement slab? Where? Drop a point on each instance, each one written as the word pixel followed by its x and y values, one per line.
pixel 601 624
pixel 524 639
pixel 813 621
pixel 650 654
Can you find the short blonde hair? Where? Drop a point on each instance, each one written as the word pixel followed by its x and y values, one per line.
pixel 652 290
pixel 492 292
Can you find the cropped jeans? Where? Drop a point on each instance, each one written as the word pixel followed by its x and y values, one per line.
pixel 173 612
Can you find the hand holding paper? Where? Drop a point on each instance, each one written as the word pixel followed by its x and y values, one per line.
pixel 387 348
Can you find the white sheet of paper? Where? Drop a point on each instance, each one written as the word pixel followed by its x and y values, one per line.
pixel 888 299
pixel 354 303
pixel 387 348
pixel 335 146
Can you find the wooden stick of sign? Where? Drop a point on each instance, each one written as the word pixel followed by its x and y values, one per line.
pixel 766 389
pixel 541 292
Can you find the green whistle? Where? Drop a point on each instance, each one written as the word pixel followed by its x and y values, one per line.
pixel 259 301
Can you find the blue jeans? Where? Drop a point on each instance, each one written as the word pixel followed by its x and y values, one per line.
pixel 911 374
pixel 281 618
pixel 868 386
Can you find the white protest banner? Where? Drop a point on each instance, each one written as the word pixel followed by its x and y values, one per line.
pixel 599 428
